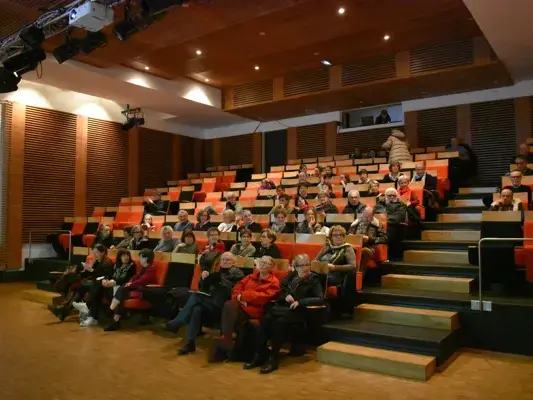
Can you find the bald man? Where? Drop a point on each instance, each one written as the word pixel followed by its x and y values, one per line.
pixel 420 175
pixel 506 202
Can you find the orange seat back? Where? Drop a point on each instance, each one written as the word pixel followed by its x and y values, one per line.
pixel 286 250
pixel 208 187
pixel 311 249
pixel 78 227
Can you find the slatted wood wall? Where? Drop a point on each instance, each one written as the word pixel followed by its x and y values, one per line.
pixel 365 140
pixel 310 141
pixel 187 155
pixel 49 165
pixel 236 150
pixel 306 82
pixel 6 110
pixel 155 154
pixel 255 92
pixel 447 55
pixel 208 152
pixel 493 138
pixel 436 126
pixel 373 69
pixel 107 164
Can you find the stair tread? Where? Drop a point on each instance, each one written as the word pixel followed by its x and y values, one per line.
pixel 427 294
pixel 414 241
pixel 438 251
pixel 430 264
pixel 391 330
pixel 430 278
pixel 409 310
pixel 372 352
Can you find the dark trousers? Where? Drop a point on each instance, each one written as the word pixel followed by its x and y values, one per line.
pixel 336 278
pixel 395 235
pixel 122 294
pixel 278 329
pixel 233 316
pixel 197 308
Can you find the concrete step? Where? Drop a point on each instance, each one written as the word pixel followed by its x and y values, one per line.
pixel 395 363
pixel 429 256
pixel 39 296
pixel 463 210
pixel 474 217
pixel 433 283
pixel 438 244
pixel 430 269
pixel 451 235
pixel 448 226
pixel 465 203
pixel 476 190
pixel 424 318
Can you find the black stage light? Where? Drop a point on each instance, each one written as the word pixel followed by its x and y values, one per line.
pixel 25 61
pixel 124 29
pixel 152 7
pixel 8 81
pixel 32 36
pixel 132 122
pixel 92 41
pixel 67 50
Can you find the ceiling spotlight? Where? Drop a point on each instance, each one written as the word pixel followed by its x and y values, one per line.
pixel 262 33
pixel 341 10
pixel 386 37
pixel 256 67
pixel 124 29
pixel 198 52
pixel 206 80
pixel 8 81
pixel 134 117
pixel 67 50
pixel 147 68
pixel 32 36
pixel 327 63
pixel 92 41
pixel 25 61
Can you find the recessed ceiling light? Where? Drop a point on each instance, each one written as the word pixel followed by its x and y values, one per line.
pixel 386 37
pixel 316 54
pixel 326 62
pixel 262 33
pixel 206 80
pixel 256 67
pixel 147 68
pixel 198 52
pixel 341 10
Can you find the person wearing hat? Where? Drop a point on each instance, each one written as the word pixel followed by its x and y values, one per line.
pixel 397 146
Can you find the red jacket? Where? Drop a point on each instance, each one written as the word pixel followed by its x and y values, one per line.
pixel 256 293
pixel 411 196
pixel 219 247
pixel 140 279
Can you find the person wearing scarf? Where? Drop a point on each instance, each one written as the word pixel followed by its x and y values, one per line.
pixel 279 224
pixel 339 255
pixel 420 175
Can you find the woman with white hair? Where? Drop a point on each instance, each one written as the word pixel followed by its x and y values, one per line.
pixel 397 147
pixel 285 320
pixel 229 224
pixel 167 243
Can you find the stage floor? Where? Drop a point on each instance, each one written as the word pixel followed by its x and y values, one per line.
pixel 41 358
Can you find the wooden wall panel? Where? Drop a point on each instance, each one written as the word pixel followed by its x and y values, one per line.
pixel 493 138
pixel 436 126
pixel 155 154
pixel 292 143
pixel 411 128
pixel 80 175
pixel 464 128
pixel 365 140
pixel 6 114
pixel 257 152
pixel 208 153
pixel 523 119
pixel 331 138
pixel 107 164
pixel 133 162
pixel 189 157
pixel 311 141
pixel 49 171
pixel 176 157
pixel 236 150
pixel 199 161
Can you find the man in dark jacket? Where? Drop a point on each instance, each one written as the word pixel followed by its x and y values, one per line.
pixel 396 216
pixel 373 234
pixel 354 205
pixel 249 222
pixel 206 304
pixel 326 206
pixel 156 206
pixel 430 182
pixel 521 165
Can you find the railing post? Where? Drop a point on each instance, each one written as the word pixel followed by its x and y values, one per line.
pixel 29 251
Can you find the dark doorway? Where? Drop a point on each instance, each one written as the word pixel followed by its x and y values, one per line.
pixel 275 148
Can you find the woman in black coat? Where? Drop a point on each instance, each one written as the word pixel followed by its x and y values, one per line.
pixel 299 289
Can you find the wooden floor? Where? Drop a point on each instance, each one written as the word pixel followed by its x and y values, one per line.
pixel 43 359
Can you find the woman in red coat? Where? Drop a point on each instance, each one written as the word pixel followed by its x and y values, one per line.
pixel 132 289
pixel 248 299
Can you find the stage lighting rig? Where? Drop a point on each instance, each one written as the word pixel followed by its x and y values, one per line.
pixel 134 117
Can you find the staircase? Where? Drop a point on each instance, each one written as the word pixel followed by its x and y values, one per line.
pixel 409 326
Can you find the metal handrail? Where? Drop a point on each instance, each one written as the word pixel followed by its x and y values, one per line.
pixel 48 230
pixel 491 239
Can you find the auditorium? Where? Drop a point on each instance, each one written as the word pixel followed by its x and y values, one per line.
pixel 266 199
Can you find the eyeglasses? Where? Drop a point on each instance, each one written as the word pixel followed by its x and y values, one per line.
pixel 392 195
pixel 226 259
pixel 337 235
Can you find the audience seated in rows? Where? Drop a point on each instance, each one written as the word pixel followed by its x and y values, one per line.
pixel 354 205
pixel 394 173
pixel 396 212
pixel 507 202
pixel 204 221
pixel 140 241
pixel 244 248
pixel 268 246
pixel 326 206
pixel 228 224
pixel 286 319
pixel 310 224
pixel 104 236
pixel 183 223
pixel 168 243
pixel 188 244
pixel 373 234
pixel 279 224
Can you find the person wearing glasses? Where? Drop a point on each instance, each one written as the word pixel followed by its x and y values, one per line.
pixel 339 255
pixel 286 319
pixel 206 305
pixel 248 300
pixel 396 220
pixel 267 246
pixel 140 241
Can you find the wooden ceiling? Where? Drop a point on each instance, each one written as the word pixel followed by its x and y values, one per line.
pixel 281 36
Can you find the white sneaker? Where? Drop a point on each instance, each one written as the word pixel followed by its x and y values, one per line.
pixel 83 317
pixel 81 307
pixel 90 321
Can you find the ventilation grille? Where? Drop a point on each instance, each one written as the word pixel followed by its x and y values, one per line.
pixel 236 150
pixel 208 153
pixel 493 138
pixel 187 155
pixel 306 82
pixel 107 164
pixel 6 111
pixel 448 55
pixel 366 140
pixel 155 158
pixel 436 126
pixel 254 92
pixel 49 170
pixel 373 69
pixel 310 141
